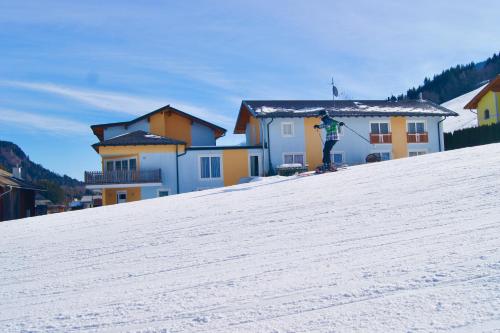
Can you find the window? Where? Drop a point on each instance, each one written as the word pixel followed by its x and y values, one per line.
pixel 380 133
pixel 338 158
pixel 210 167
pixel 379 128
pixel 416 132
pixel 287 129
pixel 132 164
pixel 162 193
pixel 416 127
pixel 293 158
pixel 416 153
pixel 383 155
pixel 486 114
pixel 128 164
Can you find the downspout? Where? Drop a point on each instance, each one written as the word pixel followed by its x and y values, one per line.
pixel 177 155
pixel 439 133
pixel 269 146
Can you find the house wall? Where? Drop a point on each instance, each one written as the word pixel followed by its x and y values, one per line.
pixel 234 166
pixel 113 131
pixel 189 171
pixel 164 161
pixel 202 135
pixel 253 131
pixel 109 194
pixel 280 144
pixel 310 141
pixel 488 102
pixel 431 126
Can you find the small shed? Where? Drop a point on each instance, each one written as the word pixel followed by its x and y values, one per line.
pixel 17 197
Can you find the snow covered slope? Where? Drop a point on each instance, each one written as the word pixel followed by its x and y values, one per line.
pixel 466 118
pixel 407 245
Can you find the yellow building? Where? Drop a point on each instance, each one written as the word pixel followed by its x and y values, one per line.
pixel 487 103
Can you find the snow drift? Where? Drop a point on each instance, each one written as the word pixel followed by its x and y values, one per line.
pixel 405 245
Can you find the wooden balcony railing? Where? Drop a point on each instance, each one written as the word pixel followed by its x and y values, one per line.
pixel 418 137
pixel 122 177
pixel 380 138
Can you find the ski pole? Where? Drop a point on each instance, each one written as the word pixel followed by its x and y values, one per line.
pixel 362 137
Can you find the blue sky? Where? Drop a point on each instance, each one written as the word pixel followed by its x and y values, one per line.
pixel 65 65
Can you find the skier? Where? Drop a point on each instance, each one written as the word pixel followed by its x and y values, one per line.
pixel 332 136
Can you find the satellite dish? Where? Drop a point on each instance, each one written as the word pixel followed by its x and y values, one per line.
pixel 335 92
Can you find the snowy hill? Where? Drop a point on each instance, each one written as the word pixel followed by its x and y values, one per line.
pixel 404 245
pixel 466 118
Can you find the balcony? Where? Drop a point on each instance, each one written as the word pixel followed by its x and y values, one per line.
pixel 380 138
pixel 122 178
pixel 422 137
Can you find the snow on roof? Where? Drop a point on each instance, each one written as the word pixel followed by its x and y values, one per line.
pixel 466 118
pixel 397 246
pixel 304 108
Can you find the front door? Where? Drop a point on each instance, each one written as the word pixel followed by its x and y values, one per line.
pixel 254 166
pixel 121 197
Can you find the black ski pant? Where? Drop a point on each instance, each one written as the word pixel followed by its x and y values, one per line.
pixel 327 150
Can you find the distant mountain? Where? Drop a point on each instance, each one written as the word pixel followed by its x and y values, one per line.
pixel 60 188
pixel 455 81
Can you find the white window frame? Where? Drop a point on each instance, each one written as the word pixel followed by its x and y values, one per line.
pixel 163 189
pixel 381 152
pixel 388 122
pixel 210 164
pixel 337 152
pixel 421 151
pixel 114 159
pixel 292 127
pixel 250 165
pixel 418 135
pixel 408 121
pixel 294 153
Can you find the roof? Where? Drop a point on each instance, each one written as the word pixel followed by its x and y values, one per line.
pixel 493 85
pixel 6 179
pixel 339 108
pixel 98 128
pixel 137 138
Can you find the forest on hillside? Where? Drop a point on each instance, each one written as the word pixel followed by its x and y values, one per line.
pixel 455 81
pixel 60 189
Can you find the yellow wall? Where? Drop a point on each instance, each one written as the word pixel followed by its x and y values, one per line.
pixel 255 138
pixel 487 102
pixel 157 124
pixel 109 195
pixel 399 138
pixel 314 146
pixel 171 125
pixel 234 165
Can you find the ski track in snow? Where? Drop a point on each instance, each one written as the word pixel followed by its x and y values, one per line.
pixel 406 245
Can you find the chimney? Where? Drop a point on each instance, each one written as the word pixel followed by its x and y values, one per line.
pixel 16 172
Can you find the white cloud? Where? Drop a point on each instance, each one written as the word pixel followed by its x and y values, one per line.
pixel 52 125
pixel 121 103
